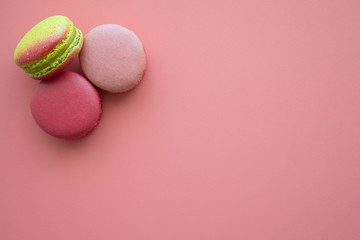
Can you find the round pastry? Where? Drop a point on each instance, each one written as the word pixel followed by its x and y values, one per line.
pixel 48 47
pixel 113 58
pixel 66 106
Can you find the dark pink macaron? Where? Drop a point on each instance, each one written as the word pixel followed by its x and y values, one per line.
pixel 66 106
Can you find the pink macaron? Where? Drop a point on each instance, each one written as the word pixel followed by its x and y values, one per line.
pixel 66 106
pixel 113 58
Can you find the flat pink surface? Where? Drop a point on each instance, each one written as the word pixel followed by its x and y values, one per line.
pixel 246 126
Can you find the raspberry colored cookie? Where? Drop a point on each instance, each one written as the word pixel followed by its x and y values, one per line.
pixel 113 58
pixel 48 47
pixel 66 106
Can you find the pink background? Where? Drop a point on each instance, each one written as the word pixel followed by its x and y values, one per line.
pixel 246 126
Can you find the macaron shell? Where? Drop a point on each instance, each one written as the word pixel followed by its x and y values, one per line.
pixel 41 39
pixel 64 64
pixel 113 58
pixel 66 106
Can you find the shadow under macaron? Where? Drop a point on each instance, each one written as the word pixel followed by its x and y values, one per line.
pixel 75 66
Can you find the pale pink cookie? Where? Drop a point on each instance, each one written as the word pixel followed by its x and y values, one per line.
pixel 113 58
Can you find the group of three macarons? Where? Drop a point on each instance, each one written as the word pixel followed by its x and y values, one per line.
pixel 66 104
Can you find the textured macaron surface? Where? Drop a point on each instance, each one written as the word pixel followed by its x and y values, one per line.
pixel 41 39
pixel 113 58
pixel 66 106
pixel 47 46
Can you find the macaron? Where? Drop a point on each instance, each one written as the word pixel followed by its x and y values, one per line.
pixel 48 47
pixel 66 106
pixel 113 58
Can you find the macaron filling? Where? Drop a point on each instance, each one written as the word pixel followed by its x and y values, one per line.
pixel 57 56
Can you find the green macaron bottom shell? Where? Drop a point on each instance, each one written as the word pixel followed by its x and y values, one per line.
pixel 58 55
